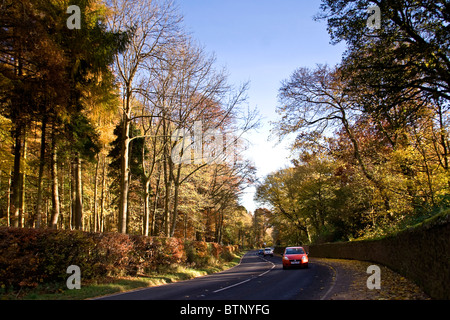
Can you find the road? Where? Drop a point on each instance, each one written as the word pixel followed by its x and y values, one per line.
pixel 255 278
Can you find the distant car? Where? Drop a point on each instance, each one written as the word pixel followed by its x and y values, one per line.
pixel 261 251
pixel 268 252
pixel 295 257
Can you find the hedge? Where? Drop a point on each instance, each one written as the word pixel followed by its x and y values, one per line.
pixel 32 256
pixel 421 254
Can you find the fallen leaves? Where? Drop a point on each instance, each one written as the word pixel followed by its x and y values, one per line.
pixel 351 283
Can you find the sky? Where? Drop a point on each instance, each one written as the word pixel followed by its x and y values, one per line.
pixel 263 42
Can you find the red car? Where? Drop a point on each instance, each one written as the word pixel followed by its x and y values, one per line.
pixel 295 257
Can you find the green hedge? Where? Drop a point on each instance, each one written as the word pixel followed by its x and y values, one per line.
pixel 32 256
pixel 421 254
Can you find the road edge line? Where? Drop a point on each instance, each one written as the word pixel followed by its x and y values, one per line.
pixel 333 281
pixel 247 280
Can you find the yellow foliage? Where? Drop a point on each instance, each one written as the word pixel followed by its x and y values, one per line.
pixel 6 158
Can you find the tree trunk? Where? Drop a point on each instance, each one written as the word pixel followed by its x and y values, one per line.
pixel 124 176
pixel 147 206
pixel 175 201
pixel 62 178
pixel 73 194
pixel 38 213
pixel 185 226
pixel 55 186
pixel 16 177
pixel 78 195
pixel 95 213
pixel 175 209
pixel 102 199
pixel 22 183
pixel 220 227
pixel 8 200
pixel 155 203
pixel 166 205
pixel 168 187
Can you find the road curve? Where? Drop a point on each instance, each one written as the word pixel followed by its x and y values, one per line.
pixel 255 278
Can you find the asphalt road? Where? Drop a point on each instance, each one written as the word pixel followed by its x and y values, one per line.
pixel 255 278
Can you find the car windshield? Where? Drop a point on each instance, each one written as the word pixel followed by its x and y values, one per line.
pixel 294 251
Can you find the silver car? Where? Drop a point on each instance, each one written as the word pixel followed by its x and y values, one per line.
pixel 268 252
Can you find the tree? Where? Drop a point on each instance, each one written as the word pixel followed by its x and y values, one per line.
pixel 261 224
pixel 47 71
pixel 31 65
pixel 409 51
pixel 314 101
pixel 91 51
pixel 60 88
pixel 168 83
pixel 404 72
pixel 278 191
pixel 5 166
pixel 152 27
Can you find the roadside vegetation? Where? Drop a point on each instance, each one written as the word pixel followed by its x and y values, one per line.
pixel 34 262
pixel 110 285
pixel 96 288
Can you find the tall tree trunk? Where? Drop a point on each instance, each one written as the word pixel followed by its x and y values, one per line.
pixel 8 200
pixel 16 177
pixel 155 203
pixel 175 201
pixel 38 213
pixel 17 136
pixel 220 226
pixel 102 197
pixel 124 175
pixel 147 206
pixel 185 226
pixel 175 209
pixel 95 213
pixel 78 195
pixel 55 186
pixel 73 194
pixel 22 182
pixel 62 178
pixel 168 187
pixel 167 175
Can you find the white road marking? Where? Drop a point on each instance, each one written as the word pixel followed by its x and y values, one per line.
pixel 234 285
pixel 334 281
pixel 245 281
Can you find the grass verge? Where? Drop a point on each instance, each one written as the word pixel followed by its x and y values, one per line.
pixel 108 286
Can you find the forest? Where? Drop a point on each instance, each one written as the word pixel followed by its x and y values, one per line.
pixel 371 136
pixel 113 119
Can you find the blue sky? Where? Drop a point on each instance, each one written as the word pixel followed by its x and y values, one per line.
pixel 261 41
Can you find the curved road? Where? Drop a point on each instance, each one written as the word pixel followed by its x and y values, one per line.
pixel 255 278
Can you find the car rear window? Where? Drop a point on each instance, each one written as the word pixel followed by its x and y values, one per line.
pixel 294 251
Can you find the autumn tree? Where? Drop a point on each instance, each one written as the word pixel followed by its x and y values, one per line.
pixel 153 26
pixel 380 116
pixel 60 92
pixel 409 51
pixel 49 68
pixel 32 63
